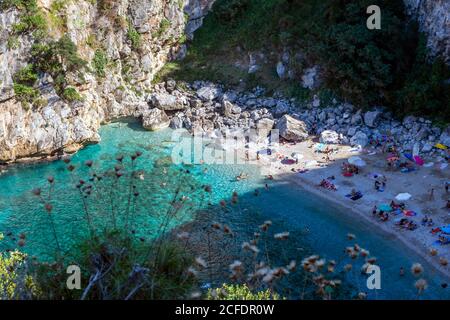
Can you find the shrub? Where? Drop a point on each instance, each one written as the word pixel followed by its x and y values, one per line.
pixel 240 292
pixel 229 11
pixel 31 18
pixel 164 25
pixel 133 36
pixel 71 94
pixel 27 75
pixel 57 58
pixel 25 93
pixel 99 62
pixel 15 283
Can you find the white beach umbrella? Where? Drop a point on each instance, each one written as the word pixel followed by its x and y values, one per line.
pixel 356 161
pixel 403 196
pixel 297 156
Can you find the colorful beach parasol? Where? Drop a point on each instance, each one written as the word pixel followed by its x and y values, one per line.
pixel 385 207
pixel 356 161
pixel 440 146
pixel 403 196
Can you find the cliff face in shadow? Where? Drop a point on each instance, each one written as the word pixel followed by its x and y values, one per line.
pixel 434 19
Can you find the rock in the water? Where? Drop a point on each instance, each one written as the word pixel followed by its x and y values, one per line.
pixel 155 119
pixel 329 136
pixel 371 118
pixel 292 129
pixel 359 139
pixel 165 101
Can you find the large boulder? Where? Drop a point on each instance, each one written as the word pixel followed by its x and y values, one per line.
pixel 263 127
pixel 445 137
pixel 371 118
pixel 176 123
pixel 329 136
pixel 208 93
pixel 229 109
pixel 155 119
pixel 359 139
pixel 167 102
pixel 292 129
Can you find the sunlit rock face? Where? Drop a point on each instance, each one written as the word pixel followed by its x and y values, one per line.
pixel 434 19
pixel 57 125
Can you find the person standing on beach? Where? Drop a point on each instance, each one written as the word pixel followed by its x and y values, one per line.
pixel 432 194
pixel 446 186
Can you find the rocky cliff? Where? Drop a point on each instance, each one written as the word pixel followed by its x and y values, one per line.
pixel 434 19
pixel 123 44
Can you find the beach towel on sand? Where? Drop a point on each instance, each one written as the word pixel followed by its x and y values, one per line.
pixel 409 213
pixel 419 160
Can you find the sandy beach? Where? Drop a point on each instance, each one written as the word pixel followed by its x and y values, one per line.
pixel 418 183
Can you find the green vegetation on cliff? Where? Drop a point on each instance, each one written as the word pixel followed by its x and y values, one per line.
pixel 367 67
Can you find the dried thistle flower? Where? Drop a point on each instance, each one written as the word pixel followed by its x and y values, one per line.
pixel 443 262
pixel 364 253
pixel 216 226
pixel 362 296
pixel 371 260
pixel 226 229
pixel 320 263
pixel 236 266
pixel 433 252
pixel 200 262
pixel 292 265
pixel 421 285
pixel 416 269
pixel 364 267
pixel 183 235
pixel 48 207
pixel 281 236
pixel 196 295
pixel 50 179
pixel 351 236
pixel 192 272
pixel 37 191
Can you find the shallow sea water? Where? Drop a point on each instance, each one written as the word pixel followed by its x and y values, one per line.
pixel 315 226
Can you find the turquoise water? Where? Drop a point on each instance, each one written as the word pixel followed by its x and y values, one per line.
pixel 315 227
